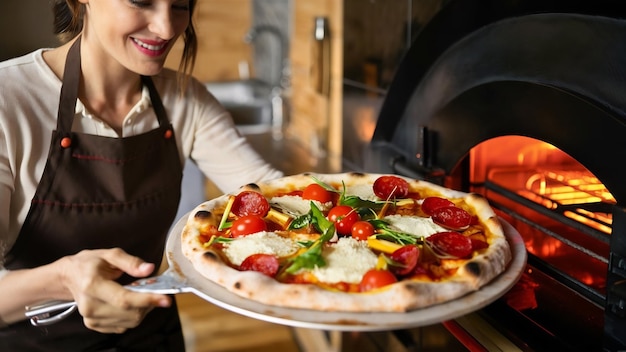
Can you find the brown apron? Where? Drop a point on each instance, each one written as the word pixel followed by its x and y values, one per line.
pixel 99 192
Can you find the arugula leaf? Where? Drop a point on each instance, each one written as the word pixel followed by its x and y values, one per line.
pixel 353 201
pixel 300 222
pixel 385 232
pixel 357 202
pixel 319 220
pixel 324 185
pixel 216 239
pixel 312 257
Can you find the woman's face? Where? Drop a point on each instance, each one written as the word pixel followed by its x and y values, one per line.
pixel 137 34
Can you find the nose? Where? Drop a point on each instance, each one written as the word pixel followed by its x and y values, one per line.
pixel 162 23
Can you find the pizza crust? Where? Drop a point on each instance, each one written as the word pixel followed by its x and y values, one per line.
pixel 403 296
pixel 400 297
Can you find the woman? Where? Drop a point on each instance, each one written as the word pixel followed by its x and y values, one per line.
pixel 93 136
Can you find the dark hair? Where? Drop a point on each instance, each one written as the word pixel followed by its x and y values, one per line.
pixel 68 23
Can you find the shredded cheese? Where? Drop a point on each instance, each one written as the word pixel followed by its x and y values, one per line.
pixel 346 261
pixel 261 242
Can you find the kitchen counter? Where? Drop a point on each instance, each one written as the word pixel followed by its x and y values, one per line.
pixel 291 157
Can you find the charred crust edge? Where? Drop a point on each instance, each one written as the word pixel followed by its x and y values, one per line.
pixel 473 268
pixel 210 256
pixel 252 187
pixel 356 174
pixel 202 214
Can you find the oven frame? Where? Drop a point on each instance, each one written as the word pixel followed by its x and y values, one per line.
pixel 551 71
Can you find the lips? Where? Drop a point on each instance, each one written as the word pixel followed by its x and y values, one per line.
pixel 150 47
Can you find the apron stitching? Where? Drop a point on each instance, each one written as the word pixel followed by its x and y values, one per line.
pixel 110 160
pixel 155 195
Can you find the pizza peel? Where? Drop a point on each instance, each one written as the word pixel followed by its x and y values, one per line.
pixel 182 277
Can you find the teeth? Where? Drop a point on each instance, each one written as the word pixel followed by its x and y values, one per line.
pixel 148 46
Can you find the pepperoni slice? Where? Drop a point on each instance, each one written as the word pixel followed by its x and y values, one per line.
pixel 451 243
pixel 407 257
pixel 430 204
pixel 389 186
pixel 264 263
pixel 250 203
pixel 452 218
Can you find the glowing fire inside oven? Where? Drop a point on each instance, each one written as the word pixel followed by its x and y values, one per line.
pixel 555 203
pixel 548 176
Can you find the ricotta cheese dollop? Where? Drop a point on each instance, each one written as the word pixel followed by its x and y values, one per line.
pixel 346 261
pixel 414 225
pixel 296 206
pixel 363 191
pixel 261 242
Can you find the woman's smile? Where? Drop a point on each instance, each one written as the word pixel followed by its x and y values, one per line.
pixel 151 48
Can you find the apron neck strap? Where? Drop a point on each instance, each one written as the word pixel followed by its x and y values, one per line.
pixel 69 90
pixel 69 93
pixel 157 104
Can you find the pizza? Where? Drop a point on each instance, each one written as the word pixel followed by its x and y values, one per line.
pixel 352 242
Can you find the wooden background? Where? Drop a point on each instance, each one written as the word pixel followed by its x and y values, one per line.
pixel 221 26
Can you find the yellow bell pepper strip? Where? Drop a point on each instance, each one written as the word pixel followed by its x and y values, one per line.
pixel 382 245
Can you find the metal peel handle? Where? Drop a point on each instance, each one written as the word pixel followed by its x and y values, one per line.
pixel 41 315
pixel 166 283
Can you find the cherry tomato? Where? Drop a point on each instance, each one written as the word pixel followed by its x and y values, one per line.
pixel 247 225
pixel 376 278
pixel 317 192
pixel 264 263
pixel 430 204
pixel 452 218
pixel 407 257
pixel 451 243
pixel 361 230
pixel 386 187
pixel 250 203
pixel 344 217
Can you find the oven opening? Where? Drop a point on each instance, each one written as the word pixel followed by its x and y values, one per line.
pixel 564 214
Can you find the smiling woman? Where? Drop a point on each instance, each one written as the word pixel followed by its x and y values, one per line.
pixel 97 142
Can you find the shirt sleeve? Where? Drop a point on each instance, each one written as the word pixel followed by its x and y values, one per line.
pixel 221 152
pixel 6 239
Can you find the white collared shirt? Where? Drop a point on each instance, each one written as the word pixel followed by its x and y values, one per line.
pixel 29 98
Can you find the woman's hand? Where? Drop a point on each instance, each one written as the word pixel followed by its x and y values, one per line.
pixel 105 305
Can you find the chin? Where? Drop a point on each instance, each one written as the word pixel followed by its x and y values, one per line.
pixel 150 70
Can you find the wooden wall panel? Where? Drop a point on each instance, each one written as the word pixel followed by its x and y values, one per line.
pixel 316 114
pixel 221 26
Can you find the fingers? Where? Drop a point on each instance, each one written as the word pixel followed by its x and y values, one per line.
pixel 116 321
pixel 121 309
pixel 114 294
pixel 105 305
pixel 133 266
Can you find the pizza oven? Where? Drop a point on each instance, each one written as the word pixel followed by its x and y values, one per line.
pixel 524 102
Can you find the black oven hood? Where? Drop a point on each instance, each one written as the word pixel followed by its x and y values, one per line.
pixel 550 70
pixel 470 76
